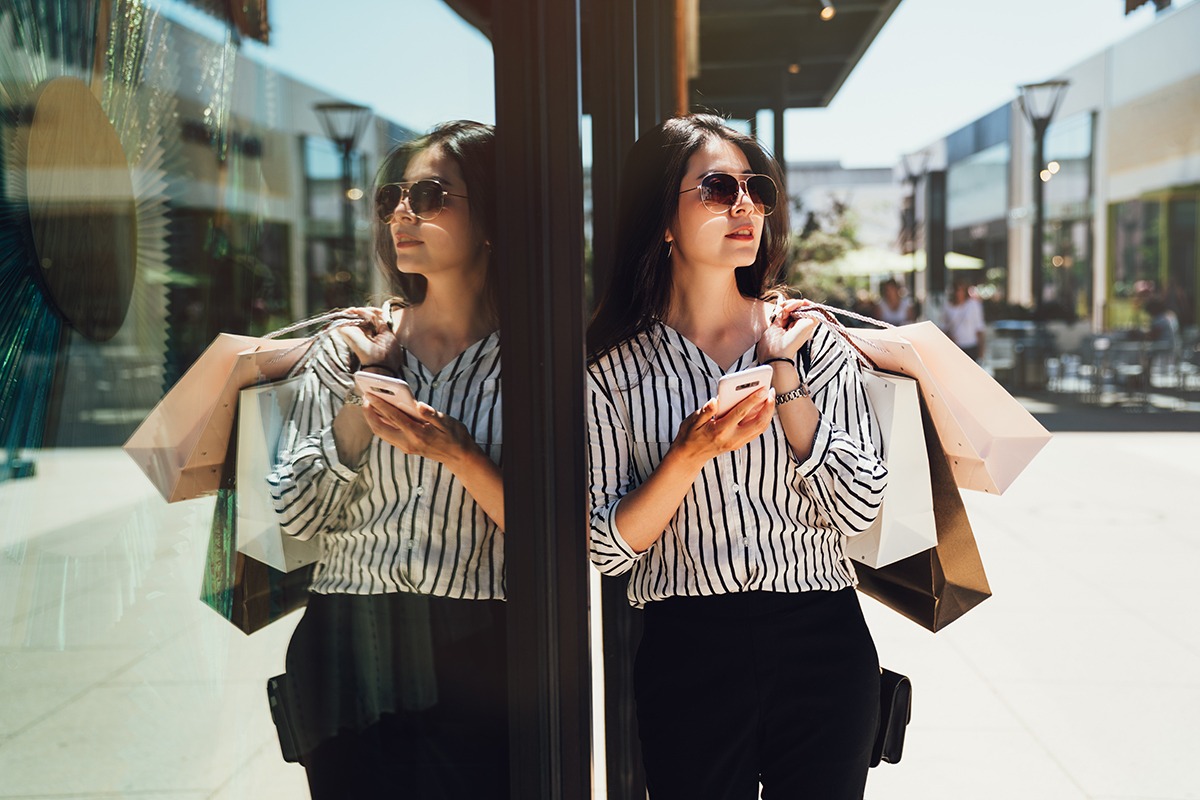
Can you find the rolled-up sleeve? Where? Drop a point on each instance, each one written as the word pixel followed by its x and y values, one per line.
pixel 309 483
pixel 845 473
pixel 610 468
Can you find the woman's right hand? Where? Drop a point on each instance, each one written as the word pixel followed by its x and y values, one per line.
pixel 372 340
pixel 704 436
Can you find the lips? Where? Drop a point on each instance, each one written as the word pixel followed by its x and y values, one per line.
pixel 743 234
pixel 404 240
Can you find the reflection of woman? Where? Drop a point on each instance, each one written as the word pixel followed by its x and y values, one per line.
pixel 756 663
pixel 395 674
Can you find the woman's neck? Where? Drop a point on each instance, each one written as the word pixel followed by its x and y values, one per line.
pixel 452 317
pixel 715 316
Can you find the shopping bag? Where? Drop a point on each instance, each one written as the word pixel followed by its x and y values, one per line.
pixel 938 586
pixel 181 445
pixel 248 593
pixel 989 437
pixel 262 411
pixel 906 524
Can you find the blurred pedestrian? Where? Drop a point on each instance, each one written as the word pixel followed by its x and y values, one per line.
pixel 962 319
pixel 894 305
pixel 755 665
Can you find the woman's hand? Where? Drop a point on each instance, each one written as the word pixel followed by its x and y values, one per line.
pixel 704 436
pixel 432 434
pixel 786 334
pixel 373 340
pixel 444 439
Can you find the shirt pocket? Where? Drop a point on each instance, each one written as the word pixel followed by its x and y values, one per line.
pixel 483 413
pixel 655 414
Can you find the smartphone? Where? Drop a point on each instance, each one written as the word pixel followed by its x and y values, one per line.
pixel 386 389
pixel 733 388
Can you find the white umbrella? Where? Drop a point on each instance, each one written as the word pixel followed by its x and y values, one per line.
pixel 873 261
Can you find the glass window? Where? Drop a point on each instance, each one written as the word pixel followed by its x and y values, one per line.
pixel 165 178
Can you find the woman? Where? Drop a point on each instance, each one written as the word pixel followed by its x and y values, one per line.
pixel 384 677
pixel 755 663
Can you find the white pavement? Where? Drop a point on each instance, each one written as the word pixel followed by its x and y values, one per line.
pixel 1079 678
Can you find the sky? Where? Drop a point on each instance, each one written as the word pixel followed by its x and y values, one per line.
pixel 936 65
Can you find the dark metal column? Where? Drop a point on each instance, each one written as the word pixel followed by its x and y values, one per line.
pixel 539 247
pixel 935 233
pixel 610 96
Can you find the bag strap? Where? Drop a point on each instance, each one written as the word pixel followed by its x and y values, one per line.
pixel 825 314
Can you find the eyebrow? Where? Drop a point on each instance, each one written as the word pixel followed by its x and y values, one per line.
pixel 435 177
pixel 727 169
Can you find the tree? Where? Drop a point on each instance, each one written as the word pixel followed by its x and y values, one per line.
pixel 826 236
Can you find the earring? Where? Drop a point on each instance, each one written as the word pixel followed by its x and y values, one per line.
pixel 670 247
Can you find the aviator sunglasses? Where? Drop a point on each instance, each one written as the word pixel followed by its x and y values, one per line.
pixel 719 191
pixel 426 199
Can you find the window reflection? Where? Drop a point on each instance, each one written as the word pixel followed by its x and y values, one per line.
pixel 218 206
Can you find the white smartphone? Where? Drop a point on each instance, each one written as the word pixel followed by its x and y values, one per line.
pixel 395 391
pixel 733 388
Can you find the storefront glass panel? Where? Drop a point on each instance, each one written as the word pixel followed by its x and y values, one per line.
pixel 164 179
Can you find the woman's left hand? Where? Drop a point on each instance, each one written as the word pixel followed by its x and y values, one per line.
pixel 432 435
pixel 786 334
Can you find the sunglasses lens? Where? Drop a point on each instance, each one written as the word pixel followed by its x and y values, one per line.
pixel 762 192
pixel 386 199
pixel 426 199
pixel 719 189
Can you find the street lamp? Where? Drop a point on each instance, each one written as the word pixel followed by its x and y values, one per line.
pixel 1038 102
pixel 915 166
pixel 344 124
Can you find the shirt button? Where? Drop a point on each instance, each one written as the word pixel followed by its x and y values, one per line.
pixel 436 384
pixel 736 489
pixel 745 541
pixel 419 490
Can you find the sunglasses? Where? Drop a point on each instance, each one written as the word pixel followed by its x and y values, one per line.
pixel 426 199
pixel 720 192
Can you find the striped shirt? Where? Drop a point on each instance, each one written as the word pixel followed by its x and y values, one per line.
pixel 394 522
pixel 755 519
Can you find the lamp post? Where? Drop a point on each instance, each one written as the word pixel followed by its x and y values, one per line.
pixel 344 124
pixel 1038 102
pixel 914 169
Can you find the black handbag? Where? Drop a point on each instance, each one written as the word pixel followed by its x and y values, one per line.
pixel 895 710
pixel 277 697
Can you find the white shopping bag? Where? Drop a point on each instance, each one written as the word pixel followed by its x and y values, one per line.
pixel 906 524
pixel 262 411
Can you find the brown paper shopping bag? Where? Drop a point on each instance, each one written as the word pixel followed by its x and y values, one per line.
pixel 938 586
pixel 989 437
pixel 181 445
pixel 248 593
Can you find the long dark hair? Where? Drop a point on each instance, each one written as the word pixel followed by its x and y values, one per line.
pixel 640 287
pixel 472 146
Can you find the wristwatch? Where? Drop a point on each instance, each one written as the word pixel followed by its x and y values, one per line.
pixel 352 398
pixel 794 394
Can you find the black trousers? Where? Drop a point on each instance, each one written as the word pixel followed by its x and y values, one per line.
pixel 741 688
pixel 450 745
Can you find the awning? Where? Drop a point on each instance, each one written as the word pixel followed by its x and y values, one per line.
pixel 878 262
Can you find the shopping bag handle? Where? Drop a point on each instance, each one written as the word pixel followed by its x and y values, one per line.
pixel 331 320
pixel 826 314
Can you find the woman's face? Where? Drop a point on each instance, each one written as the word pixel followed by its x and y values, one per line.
pixel 703 239
pixel 446 242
